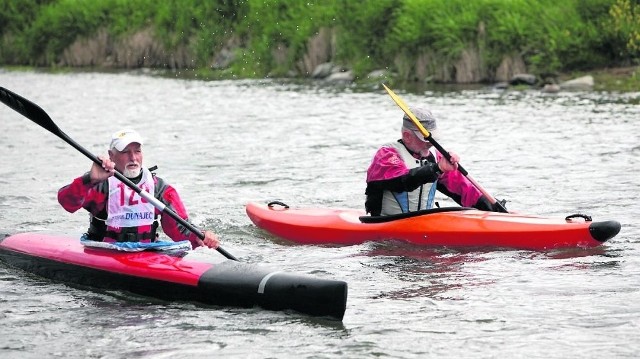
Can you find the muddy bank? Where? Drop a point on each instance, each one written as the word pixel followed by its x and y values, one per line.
pixel 144 49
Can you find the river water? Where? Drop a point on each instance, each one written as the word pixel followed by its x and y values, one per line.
pixel 225 143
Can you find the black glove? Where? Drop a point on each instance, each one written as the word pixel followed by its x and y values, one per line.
pixel 500 206
pixel 483 204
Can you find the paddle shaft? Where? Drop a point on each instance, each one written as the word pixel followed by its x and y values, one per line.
pixel 427 135
pixel 36 114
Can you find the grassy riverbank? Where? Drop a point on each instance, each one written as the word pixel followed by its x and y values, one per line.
pixel 424 41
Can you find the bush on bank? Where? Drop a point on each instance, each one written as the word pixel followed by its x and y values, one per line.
pixel 416 39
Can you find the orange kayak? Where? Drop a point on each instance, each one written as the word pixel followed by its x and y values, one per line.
pixel 448 227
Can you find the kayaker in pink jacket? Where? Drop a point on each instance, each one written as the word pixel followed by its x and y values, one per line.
pixel 118 213
pixel 404 175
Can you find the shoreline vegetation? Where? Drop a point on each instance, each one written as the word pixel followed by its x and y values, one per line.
pixel 546 44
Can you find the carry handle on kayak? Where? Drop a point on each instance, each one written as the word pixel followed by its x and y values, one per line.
pixel 36 114
pixel 427 136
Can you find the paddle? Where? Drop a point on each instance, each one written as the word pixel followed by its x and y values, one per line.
pixel 36 114
pixel 428 137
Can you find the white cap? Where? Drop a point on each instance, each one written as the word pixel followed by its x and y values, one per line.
pixel 123 138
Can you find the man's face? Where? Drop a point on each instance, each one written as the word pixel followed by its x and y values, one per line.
pixel 129 160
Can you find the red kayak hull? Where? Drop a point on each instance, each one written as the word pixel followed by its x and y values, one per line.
pixel 459 228
pixel 146 264
pixel 225 283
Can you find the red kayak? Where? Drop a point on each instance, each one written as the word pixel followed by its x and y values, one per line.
pixel 447 227
pixel 228 283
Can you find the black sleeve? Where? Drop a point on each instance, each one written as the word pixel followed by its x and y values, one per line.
pixel 412 180
pixel 406 183
pixel 483 204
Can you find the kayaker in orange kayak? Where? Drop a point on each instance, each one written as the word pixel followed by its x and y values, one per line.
pixel 118 213
pixel 404 175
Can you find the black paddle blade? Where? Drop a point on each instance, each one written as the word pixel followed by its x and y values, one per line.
pixel 29 110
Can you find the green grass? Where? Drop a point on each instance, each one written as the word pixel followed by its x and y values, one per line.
pixel 552 36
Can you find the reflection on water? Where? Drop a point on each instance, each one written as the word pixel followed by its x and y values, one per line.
pixel 425 272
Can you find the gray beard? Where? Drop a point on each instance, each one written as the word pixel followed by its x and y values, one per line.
pixel 131 173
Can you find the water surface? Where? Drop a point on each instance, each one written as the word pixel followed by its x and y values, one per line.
pixel 225 143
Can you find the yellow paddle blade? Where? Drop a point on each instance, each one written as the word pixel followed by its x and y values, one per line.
pixel 406 110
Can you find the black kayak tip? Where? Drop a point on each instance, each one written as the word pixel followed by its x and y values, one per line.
pixel 603 231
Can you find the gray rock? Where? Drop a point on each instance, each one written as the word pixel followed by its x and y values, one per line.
pixel 580 83
pixel 523 79
pixel 551 88
pixel 322 71
pixel 377 74
pixel 346 76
